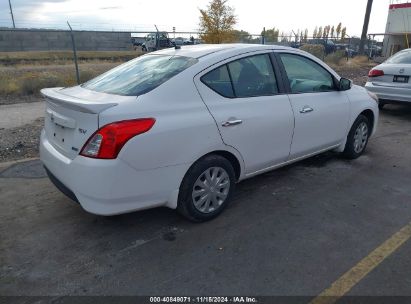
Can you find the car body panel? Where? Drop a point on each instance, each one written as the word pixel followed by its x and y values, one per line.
pixel 108 187
pixel 328 120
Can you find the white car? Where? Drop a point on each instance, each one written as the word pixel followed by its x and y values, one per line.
pixel 180 127
pixel 390 81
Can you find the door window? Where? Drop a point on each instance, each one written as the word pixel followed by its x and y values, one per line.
pixel 305 76
pixel 247 77
pixel 253 76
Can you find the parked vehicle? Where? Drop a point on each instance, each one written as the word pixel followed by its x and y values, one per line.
pixel 373 50
pixel 136 41
pixel 350 52
pixel 295 45
pixel 329 45
pixel 180 127
pixel 390 81
pixel 156 41
pixel 178 41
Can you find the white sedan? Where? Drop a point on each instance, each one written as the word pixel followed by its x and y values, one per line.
pixel 390 81
pixel 180 127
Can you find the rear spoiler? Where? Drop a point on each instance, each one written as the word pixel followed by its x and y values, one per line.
pixel 54 95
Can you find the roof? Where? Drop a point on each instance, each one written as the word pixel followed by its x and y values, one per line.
pixel 201 50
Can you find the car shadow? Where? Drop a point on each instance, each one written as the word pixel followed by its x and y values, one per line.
pixel 397 110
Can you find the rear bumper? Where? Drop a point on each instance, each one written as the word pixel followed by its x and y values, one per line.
pixel 389 93
pixel 59 185
pixel 109 187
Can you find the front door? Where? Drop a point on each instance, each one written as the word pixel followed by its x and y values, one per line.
pixel 321 110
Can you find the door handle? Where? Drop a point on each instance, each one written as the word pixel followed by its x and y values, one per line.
pixel 232 123
pixel 306 109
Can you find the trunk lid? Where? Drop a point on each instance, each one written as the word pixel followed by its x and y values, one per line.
pixel 72 116
pixel 395 75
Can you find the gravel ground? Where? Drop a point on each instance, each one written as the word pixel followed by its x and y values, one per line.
pixel 22 142
pixel 7 100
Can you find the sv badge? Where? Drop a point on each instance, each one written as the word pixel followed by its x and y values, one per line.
pixel 82 131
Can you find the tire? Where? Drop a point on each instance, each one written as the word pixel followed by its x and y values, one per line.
pixel 381 105
pixel 197 201
pixel 144 49
pixel 357 138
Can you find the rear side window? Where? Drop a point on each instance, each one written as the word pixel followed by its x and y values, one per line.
pixel 219 81
pixel 246 77
pixel 140 75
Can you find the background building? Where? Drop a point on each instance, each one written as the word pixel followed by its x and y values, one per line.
pixel 398 29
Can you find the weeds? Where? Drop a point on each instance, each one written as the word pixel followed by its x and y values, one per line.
pixel 29 80
pixel 336 58
pixel 26 73
pixel 64 57
pixel 315 49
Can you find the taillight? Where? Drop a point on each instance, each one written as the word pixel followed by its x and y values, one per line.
pixel 107 142
pixel 375 73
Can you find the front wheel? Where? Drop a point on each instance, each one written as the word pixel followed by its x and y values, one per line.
pixel 357 138
pixel 206 189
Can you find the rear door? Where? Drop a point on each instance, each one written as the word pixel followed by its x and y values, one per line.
pixel 252 113
pixel 321 110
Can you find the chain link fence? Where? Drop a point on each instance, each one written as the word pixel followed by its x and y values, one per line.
pixel 45 57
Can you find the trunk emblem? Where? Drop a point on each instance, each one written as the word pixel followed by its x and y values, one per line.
pixel 401 71
pixel 82 131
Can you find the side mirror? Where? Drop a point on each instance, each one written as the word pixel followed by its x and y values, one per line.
pixel 345 84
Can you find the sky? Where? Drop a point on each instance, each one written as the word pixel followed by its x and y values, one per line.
pixel 136 15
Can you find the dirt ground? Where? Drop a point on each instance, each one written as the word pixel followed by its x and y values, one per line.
pixel 357 73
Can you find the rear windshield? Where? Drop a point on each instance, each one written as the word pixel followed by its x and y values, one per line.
pixel 400 57
pixel 140 75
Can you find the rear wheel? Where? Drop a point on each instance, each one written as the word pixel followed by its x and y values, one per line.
pixel 206 189
pixel 357 138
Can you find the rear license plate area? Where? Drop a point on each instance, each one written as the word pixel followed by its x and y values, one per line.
pixel 59 134
pixel 401 79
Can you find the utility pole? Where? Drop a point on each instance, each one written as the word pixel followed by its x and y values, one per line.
pixel 73 44
pixel 365 26
pixel 12 16
pixel 263 36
